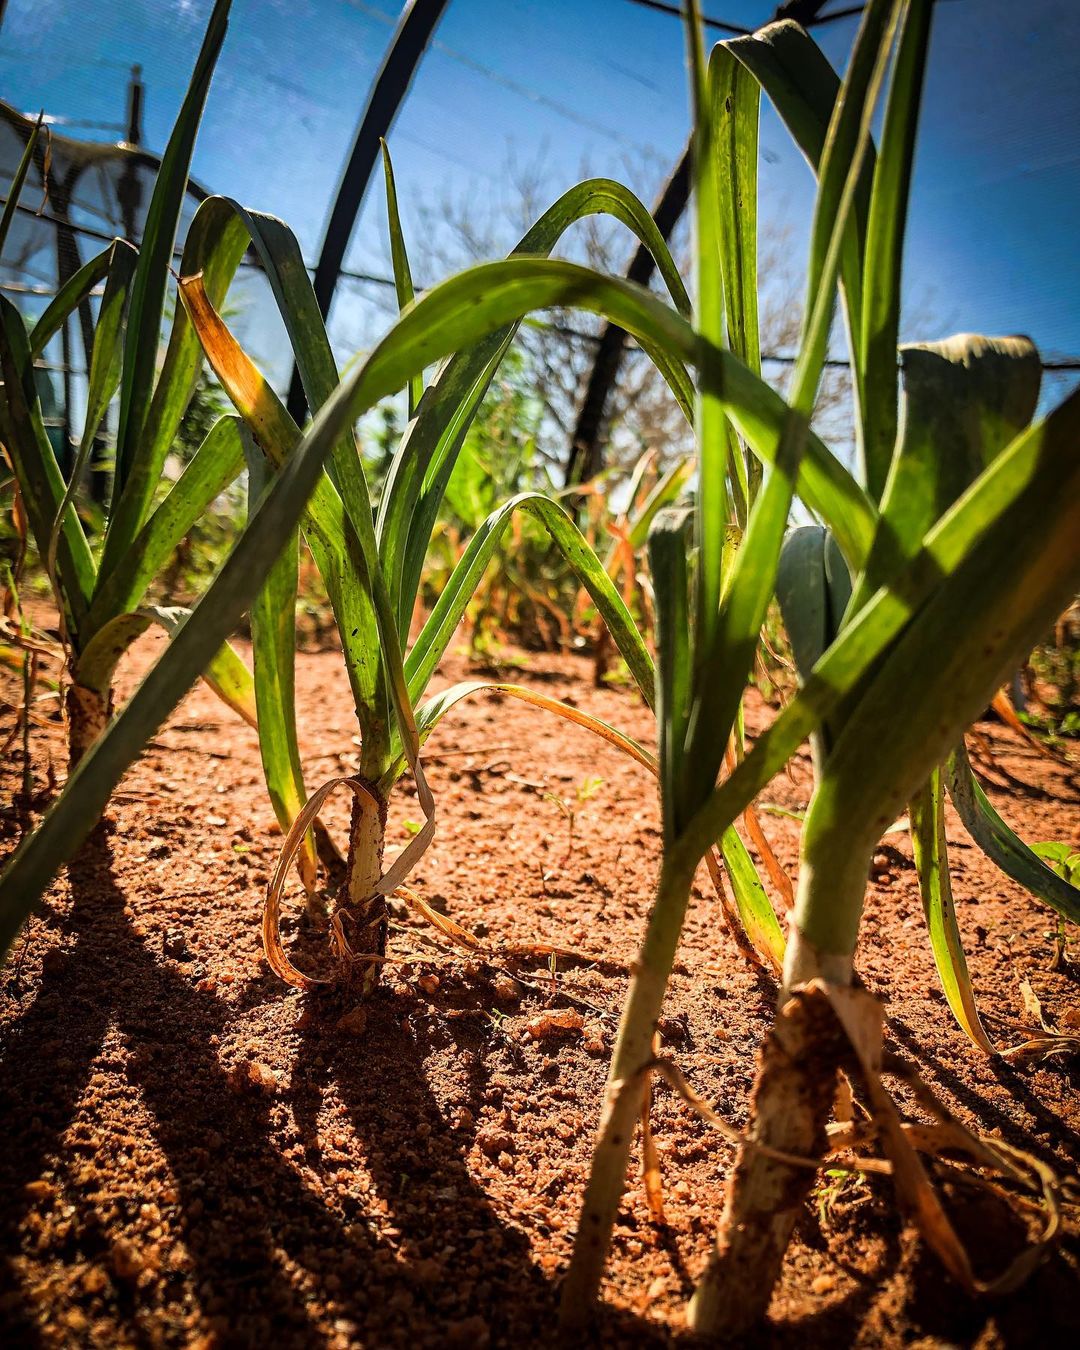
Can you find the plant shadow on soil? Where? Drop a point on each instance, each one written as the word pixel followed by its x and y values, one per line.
pixel 248 1219
pixel 934 1066
pixel 308 1242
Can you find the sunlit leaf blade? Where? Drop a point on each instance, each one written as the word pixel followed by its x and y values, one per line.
pixel 41 482
pixel 215 464
pixel 156 254
pixel 459 313
pixel 214 245
pixel 525 284
pixel 721 668
pixel 998 841
pixel 521 285
pixel 340 528
pixel 278 250
pixel 273 640
pixel 643 466
pixel 803 88
pixel 927 815
pixel 442 623
pixel 930 686
pixel 755 911
pixel 880 320
pixel 735 105
pixel 1039 468
pixel 665 493
pixel 846 153
pixel 403 282
pixel 97 663
pixel 425 459
pixel 105 362
pixel 71 295
pixel 225 672
pixel 234 684
pixel 735 98
pixel 964 400
pixel 334 546
pixel 279 253
pixel 219 230
pixel 726 639
pixel 712 430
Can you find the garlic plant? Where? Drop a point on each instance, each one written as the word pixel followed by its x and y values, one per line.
pixel 100 591
pixel 942 604
pixel 959 546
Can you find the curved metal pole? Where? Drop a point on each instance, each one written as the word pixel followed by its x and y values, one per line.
pixel 411 36
pixel 584 461
pixel 585 458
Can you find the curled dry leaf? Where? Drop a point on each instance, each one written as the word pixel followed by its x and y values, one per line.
pixel 1032 1005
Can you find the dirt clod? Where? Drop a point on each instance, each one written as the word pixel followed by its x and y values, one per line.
pixel 507 990
pixel 354 1022
pixel 252 1076
pixel 126 1260
pixel 550 1026
pixel 492 1142
pixel 174 944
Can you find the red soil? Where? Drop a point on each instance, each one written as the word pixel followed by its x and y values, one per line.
pixel 196 1156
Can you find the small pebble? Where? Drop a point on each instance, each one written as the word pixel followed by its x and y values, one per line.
pixel 174 944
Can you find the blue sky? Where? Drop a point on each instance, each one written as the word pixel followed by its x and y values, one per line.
pixel 993 234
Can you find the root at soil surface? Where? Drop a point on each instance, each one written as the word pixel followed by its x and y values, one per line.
pixel 88 714
pixel 792 1098
pixel 358 928
pixel 361 921
pixel 819 1030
